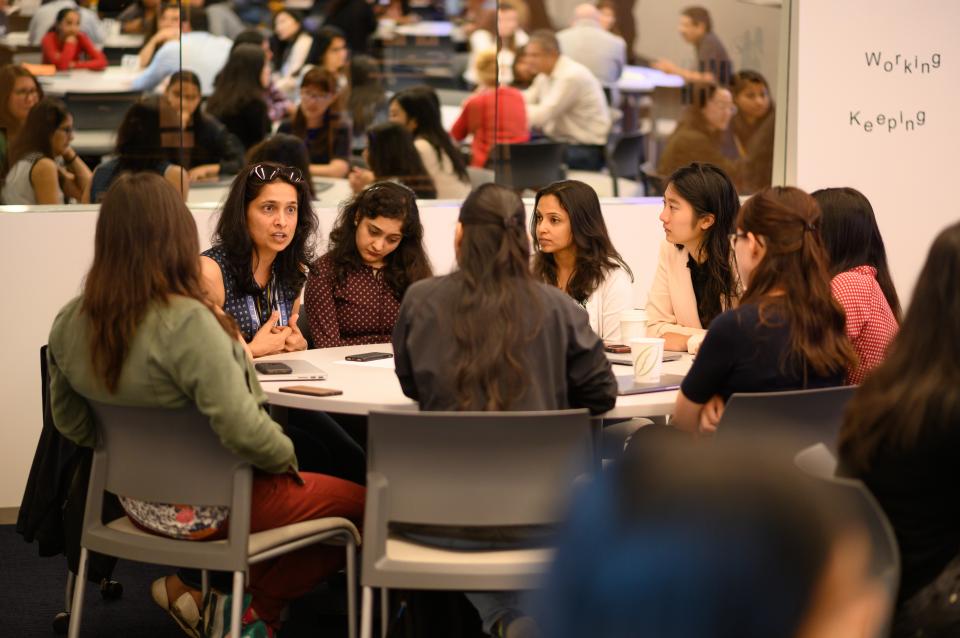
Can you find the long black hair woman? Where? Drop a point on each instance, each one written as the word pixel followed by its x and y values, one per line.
pixel 19 91
pixel 696 279
pixel 239 97
pixel 391 156
pixel 900 435
pixel 479 338
pixel 374 254
pixel 143 333
pixel 573 252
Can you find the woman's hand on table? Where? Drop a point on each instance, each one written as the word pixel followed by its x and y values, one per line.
pixel 204 172
pixel 359 179
pixel 295 341
pixel 270 338
pixel 710 414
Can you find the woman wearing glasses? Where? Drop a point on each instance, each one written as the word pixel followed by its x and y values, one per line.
pixel 788 331
pixel 256 267
pixel 19 91
pixel 695 279
pixel 321 123
pixel 43 167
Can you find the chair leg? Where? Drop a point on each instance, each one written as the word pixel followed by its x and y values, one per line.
pixel 204 583
pixel 76 609
pixel 351 588
pixel 366 613
pixel 68 594
pixel 237 608
pixel 384 611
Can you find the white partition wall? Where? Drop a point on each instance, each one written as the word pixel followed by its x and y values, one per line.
pixel 876 92
pixel 44 256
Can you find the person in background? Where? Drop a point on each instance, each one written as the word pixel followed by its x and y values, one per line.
pixel 194 139
pixel 480 338
pixel 45 17
pixel 703 135
pixel 286 150
pixel 713 63
pixel 788 331
pixel 239 95
pixel 523 71
pixel 66 47
pixel 322 124
pixel 502 34
pixel 142 333
pixel 367 99
pixel 289 44
pixel 607 16
pixel 753 128
pixel 330 52
pixel 278 104
pixel 139 149
pixel 567 103
pixel 138 15
pixel 861 282
pixel 899 436
pixel 418 109
pixel 676 540
pixel 165 28
pixel 355 19
pixel 492 115
pixel 43 167
pixel 573 251
pixel 375 253
pixel 391 156
pixel 696 278
pixel 19 91
pixel 586 42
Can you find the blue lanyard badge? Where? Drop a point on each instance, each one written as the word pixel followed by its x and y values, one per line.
pixel 274 303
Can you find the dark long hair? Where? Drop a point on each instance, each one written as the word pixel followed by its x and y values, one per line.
pixel 333 117
pixel 852 238
pixel 322 41
pixel 234 236
pixel 596 255
pixel 709 191
pixel 421 105
pixel 408 262
pixel 281 48
pixel 61 14
pixel 145 250
pixel 238 81
pixel 792 279
pixel 139 145
pixel 915 389
pixel 8 79
pixel 392 155
pixel 497 312
pixel 286 150
pixel 44 119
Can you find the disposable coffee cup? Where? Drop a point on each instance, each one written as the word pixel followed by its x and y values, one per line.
pixel 633 325
pixel 647 355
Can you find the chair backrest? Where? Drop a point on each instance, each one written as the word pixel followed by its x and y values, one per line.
pixel 100 111
pixel 806 416
pixel 627 155
pixel 472 469
pixel 530 165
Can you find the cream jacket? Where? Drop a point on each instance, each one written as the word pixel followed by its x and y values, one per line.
pixel 672 304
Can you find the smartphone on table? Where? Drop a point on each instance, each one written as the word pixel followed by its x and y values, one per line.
pixel 617 348
pixel 310 391
pixel 368 356
pixel 272 367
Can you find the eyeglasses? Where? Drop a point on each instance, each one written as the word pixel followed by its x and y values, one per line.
pixel 734 237
pixel 263 173
pixel 26 93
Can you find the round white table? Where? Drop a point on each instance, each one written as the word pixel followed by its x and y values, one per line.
pixel 374 386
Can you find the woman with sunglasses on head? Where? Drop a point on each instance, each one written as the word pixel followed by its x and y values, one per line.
pixel 43 167
pixel 861 282
pixel 696 279
pixel 67 47
pixel 19 91
pixel 788 331
pixel 375 252
pixel 573 252
pixel 320 121
pixel 257 265
pixel 142 333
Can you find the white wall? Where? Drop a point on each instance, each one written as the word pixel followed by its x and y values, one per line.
pixel 44 256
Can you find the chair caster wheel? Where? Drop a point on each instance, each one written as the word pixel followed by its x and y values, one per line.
pixel 61 622
pixel 110 589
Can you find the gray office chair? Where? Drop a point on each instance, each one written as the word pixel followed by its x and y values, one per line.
pixel 475 470
pixel 531 165
pixel 806 416
pixel 173 456
pixel 623 158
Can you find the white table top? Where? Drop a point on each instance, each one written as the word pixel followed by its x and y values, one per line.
pixel 113 79
pixel 21 39
pixel 642 79
pixel 371 386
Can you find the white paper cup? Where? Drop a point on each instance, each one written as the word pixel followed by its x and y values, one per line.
pixel 633 325
pixel 647 355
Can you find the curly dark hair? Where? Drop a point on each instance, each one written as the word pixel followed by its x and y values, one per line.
pixel 408 262
pixel 233 235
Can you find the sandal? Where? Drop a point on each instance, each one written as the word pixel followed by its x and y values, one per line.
pixel 184 609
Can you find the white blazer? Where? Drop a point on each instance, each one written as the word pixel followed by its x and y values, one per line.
pixel 612 297
pixel 672 304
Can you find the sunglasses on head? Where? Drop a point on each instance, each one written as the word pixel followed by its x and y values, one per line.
pixel 263 173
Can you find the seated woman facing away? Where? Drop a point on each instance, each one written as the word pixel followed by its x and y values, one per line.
pixel 480 339
pixel 391 156
pixel 35 175
pixel 239 97
pixel 901 435
pixel 322 124
pixel 573 252
pixel 139 148
pixel 67 47
pixel 861 280
pixel 695 279
pixel 154 340
pixel 788 331
pixel 375 252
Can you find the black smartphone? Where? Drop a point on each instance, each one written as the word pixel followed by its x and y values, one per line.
pixel 272 367
pixel 368 356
